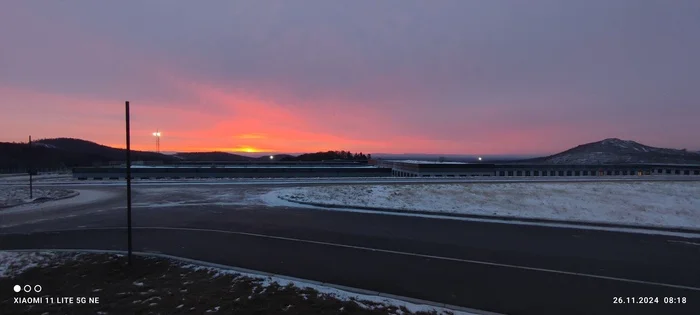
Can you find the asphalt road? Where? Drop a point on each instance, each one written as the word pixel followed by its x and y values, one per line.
pixel 506 268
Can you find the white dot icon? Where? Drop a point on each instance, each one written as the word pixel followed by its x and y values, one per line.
pixel 17 288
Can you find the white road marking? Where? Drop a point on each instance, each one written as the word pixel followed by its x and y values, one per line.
pixel 468 261
pixel 684 242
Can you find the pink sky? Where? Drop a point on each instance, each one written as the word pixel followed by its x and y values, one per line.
pixel 460 77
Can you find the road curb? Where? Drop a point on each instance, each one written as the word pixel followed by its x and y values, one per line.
pixel 582 224
pixel 265 274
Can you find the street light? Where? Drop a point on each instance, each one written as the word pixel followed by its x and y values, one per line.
pixel 272 157
pixel 157 135
pixel 479 159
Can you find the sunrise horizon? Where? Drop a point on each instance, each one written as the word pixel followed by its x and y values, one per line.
pixel 250 151
pixel 389 157
pixel 456 78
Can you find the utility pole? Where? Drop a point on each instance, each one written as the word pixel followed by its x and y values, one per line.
pixel 128 179
pixel 31 181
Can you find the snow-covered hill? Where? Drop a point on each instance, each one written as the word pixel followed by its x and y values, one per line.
pixel 615 151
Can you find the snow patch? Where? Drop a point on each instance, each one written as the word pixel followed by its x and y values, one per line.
pixel 14 263
pixel 85 196
pixel 17 195
pixel 671 204
pixel 214 310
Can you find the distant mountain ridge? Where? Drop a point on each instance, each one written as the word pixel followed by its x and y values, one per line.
pixel 68 153
pixel 92 148
pixel 617 151
pixel 65 153
pixel 62 153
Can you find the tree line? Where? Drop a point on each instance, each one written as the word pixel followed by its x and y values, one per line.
pixel 329 156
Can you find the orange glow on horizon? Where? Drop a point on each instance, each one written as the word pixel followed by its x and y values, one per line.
pixel 246 149
pixel 235 121
pixel 238 149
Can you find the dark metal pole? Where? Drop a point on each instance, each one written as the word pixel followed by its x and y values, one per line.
pixel 31 180
pixel 128 177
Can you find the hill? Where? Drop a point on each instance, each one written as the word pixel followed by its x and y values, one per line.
pixel 61 153
pixel 17 156
pixel 106 153
pixel 616 151
pixel 66 153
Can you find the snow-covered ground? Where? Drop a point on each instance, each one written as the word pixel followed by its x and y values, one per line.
pixel 14 195
pixel 13 264
pixel 44 211
pixel 672 204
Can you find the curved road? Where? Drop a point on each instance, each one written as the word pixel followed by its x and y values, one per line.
pixel 506 268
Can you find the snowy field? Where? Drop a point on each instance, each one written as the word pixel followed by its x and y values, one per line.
pixel 166 285
pixel 671 204
pixel 14 195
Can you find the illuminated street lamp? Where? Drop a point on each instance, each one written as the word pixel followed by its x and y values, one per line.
pixel 479 159
pixel 157 135
pixel 272 157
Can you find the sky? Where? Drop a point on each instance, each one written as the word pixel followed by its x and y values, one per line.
pixel 442 77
